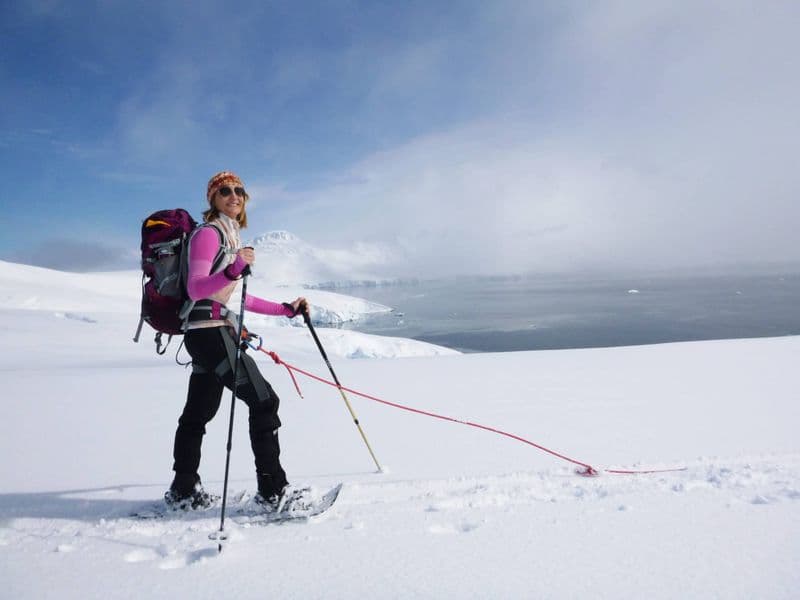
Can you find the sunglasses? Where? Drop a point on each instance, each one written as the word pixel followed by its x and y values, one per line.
pixel 226 191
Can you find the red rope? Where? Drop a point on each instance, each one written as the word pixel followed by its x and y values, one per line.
pixel 588 470
pixel 289 368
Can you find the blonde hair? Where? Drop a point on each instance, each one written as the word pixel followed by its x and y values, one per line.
pixel 212 214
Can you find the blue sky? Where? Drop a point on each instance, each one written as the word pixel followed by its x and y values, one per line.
pixel 498 135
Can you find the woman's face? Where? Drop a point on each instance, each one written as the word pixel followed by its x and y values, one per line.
pixel 230 204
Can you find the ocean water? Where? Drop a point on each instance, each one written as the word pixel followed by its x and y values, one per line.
pixel 530 313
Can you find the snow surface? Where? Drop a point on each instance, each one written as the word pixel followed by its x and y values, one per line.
pixel 88 427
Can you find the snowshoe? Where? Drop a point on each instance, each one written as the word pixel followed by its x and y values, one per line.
pixel 178 497
pixel 299 505
pixel 289 501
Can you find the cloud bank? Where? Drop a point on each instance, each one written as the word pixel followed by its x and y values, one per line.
pixel 675 147
pixel 79 256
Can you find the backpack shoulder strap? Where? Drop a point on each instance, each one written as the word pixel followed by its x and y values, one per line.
pixel 222 249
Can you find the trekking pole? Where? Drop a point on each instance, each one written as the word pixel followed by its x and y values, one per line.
pixel 221 535
pixel 307 319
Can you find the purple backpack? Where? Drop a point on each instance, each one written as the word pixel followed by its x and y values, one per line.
pixel 165 244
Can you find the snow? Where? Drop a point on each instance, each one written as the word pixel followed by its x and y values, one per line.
pixel 26 287
pixel 89 419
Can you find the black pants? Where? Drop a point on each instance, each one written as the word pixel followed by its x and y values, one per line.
pixel 213 354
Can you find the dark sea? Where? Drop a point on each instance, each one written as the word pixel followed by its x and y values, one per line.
pixel 498 314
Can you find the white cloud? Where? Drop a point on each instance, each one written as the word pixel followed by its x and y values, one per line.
pixel 677 148
pixel 73 255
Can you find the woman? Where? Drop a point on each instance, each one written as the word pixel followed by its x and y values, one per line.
pixel 216 263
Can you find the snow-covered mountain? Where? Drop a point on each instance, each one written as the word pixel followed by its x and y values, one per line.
pixel 95 296
pixel 285 259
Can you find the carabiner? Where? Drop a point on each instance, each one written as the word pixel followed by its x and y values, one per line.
pixel 252 336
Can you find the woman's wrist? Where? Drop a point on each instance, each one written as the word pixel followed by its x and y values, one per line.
pixel 234 270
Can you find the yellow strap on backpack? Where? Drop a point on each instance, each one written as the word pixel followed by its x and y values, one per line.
pixel 151 223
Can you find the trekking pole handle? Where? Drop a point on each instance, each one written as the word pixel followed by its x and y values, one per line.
pixel 247 269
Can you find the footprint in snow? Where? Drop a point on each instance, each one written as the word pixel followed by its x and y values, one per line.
pixel 465 527
pixel 189 558
pixel 76 317
pixel 142 555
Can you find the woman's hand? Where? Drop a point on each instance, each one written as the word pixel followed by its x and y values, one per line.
pixel 300 306
pixel 248 255
pixel 233 272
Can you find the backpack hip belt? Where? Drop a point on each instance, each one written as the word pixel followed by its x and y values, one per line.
pixel 209 310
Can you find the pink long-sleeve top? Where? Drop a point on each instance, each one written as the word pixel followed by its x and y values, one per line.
pixel 202 283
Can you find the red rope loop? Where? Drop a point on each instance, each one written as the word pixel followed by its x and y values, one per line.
pixel 586 470
pixel 279 361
